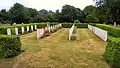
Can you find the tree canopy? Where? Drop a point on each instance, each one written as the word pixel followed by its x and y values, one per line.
pixel 103 11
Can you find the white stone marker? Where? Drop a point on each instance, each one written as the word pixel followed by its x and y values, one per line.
pixel 49 29
pixel 35 27
pixel 71 31
pixel 31 27
pixel 16 31
pixel 99 32
pixel 14 23
pixel 114 23
pixel 22 30
pixel 40 33
pixel 27 28
pixel 8 31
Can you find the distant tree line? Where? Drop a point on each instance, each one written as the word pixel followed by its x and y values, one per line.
pixel 99 13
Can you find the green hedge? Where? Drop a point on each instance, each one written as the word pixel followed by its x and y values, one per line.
pixel 113 31
pixel 112 52
pixel 69 25
pixel 3 30
pixel 9 46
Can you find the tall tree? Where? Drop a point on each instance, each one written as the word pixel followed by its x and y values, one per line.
pixel 112 9
pixel 18 14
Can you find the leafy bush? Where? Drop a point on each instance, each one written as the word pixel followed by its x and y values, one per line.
pixel 3 30
pixel 112 51
pixel 41 25
pixel 9 46
pixel 52 30
pixel 113 31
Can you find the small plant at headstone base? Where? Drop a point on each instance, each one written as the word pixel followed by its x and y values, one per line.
pixel 52 30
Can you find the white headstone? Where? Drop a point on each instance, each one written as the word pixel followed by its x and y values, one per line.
pixel 31 27
pixel 14 23
pixel 27 28
pixel 46 28
pixel 40 33
pixel 99 32
pixel 22 30
pixel 71 31
pixel 16 31
pixel 8 31
pixel 49 29
pixel 114 23
pixel 48 24
pixel 35 27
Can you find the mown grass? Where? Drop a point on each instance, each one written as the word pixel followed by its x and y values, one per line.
pixel 56 51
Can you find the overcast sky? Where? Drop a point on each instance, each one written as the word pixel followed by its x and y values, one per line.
pixel 46 4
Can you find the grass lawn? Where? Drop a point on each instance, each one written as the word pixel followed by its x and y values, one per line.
pixel 56 51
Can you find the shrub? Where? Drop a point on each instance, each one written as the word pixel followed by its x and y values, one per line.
pixel 9 46
pixel 41 25
pixel 3 30
pixel 112 51
pixel 113 31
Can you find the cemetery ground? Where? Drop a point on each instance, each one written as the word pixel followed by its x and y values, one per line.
pixel 56 51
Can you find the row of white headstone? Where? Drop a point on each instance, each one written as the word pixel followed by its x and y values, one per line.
pixel 41 31
pixel 99 32
pixel 22 29
pixel 71 31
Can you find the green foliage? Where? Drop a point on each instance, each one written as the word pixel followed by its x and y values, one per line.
pixel 112 8
pixel 18 13
pixel 113 31
pixel 52 30
pixel 41 25
pixel 112 51
pixel 9 46
pixel 69 25
pixel 91 18
pixel 3 30
pixel 76 21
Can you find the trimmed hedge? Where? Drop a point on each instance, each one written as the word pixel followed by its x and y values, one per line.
pixel 69 25
pixel 3 30
pixel 112 52
pixel 112 31
pixel 9 46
